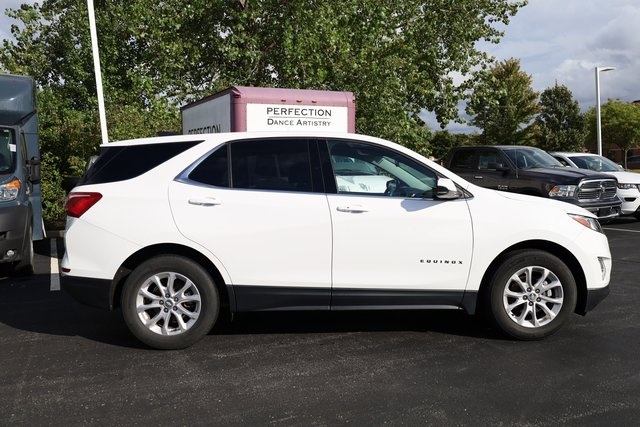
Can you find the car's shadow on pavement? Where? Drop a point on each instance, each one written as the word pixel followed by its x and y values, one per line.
pixel 450 322
pixel 28 305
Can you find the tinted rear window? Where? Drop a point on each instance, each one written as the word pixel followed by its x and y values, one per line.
pixel 126 162
pixel 273 164
pixel 214 170
pixel 463 159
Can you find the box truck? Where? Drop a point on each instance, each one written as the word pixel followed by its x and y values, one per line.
pixel 20 201
pixel 253 109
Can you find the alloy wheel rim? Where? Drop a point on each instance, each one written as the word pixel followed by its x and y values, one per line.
pixel 168 303
pixel 533 297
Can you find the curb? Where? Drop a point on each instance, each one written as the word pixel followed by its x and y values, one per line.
pixel 54 234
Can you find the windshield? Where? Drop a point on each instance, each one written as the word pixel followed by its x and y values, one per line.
pixel 595 163
pixel 7 150
pixel 530 157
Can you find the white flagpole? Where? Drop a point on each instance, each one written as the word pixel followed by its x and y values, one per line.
pixel 97 72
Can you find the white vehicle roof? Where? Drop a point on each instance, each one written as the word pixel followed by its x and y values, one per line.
pixel 563 153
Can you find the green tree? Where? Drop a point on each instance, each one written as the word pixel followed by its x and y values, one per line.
pixel 397 57
pixel 620 126
pixel 503 103
pixel 443 141
pixel 560 125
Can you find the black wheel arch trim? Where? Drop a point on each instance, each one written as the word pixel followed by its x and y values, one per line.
pixel 553 248
pixel 227 297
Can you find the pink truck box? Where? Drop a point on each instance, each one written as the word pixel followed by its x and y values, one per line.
pixel 255 109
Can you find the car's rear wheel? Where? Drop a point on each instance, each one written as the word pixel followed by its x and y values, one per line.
pixel 532 295
pixel 170 302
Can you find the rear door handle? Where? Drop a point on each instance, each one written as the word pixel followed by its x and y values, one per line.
pixel 204 201
pixel 352 209
pixel 478 177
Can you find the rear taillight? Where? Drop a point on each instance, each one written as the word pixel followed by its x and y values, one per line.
pixel 78 203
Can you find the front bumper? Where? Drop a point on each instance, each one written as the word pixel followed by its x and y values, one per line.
pixel 630 201
pixel 602 209
pixel 594 297
pixel 13 221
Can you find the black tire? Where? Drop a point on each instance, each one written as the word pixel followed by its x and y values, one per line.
pixel 637 215
pixel 175 322
pixel 524 303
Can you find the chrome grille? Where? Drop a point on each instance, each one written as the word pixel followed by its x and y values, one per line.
pixel 600 189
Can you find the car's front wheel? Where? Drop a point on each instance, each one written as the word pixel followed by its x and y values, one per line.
pixel 532 294
pixel 170 302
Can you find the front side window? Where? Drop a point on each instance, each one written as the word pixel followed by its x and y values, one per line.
pixel 372 170
pixel 272 164
pixel 491 159
pixel 7 150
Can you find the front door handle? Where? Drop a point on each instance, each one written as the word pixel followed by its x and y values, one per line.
pixel 352 209
pixel 478 177
pixel 204 201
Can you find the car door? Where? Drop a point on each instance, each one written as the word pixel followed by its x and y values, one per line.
pixel 266 220
pixel 394 243
pixel 494 170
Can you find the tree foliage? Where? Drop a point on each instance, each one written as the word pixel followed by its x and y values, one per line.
pixel 503 103
pixel 397 57
pixel 443 141
pixel 560 125
pixel 620 126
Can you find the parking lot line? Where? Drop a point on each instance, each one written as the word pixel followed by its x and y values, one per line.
pixel 55 273
pixel 621 229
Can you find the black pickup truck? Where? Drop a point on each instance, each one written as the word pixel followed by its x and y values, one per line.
pixel 529 170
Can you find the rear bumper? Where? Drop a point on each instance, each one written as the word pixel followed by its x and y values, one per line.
pixel 89 291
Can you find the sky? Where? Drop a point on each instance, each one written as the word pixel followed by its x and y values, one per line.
pixel 556 41
pixel 564 40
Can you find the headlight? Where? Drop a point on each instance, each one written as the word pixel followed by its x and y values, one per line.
pixel 588 222
pixel 9 190
pixel 628 186
pixel 563 191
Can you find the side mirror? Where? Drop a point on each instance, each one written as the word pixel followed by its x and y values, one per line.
pixel 34 169
pixel 499 167
pixel 446 189
pixel 392 186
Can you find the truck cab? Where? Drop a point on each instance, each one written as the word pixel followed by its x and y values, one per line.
pixel 532 171
pixel 20 199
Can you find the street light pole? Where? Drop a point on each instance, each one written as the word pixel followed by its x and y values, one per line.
pixel 97 72
pixel 598 124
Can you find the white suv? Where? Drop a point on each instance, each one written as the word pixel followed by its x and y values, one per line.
pixel 174 229
pixel 628 182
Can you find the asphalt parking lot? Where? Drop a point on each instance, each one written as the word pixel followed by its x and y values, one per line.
pixel 65 364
